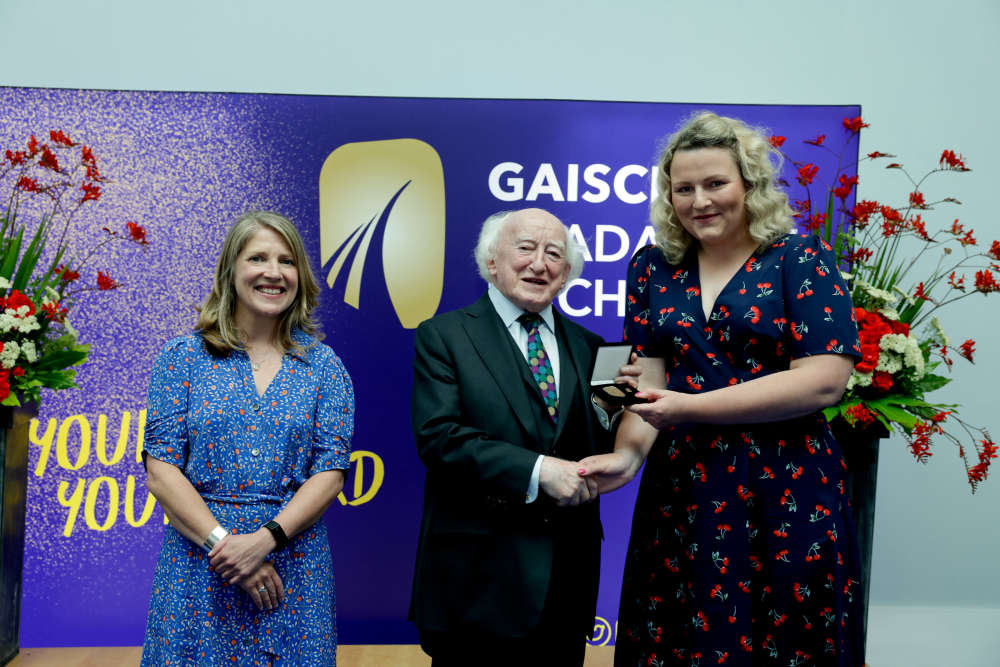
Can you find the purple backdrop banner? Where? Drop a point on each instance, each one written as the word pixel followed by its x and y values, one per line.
pixel 389 194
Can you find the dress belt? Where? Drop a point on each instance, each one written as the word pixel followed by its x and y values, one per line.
pixel 242 498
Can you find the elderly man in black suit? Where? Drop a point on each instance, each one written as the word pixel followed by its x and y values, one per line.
pixel 510 541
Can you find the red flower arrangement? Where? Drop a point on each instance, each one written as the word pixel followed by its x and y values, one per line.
pixel 902 340
pixel 40 277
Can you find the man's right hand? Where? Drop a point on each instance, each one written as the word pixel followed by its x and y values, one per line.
pixel 561 481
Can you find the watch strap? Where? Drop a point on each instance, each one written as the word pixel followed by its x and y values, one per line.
pixel 280 539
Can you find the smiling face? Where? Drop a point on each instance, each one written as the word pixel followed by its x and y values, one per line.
pixel 708 193
pixel 265 277
pixel 530 266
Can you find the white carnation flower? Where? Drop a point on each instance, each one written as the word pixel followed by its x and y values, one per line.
pixel 859 380
pixel 29 351
pixel 893 342
pixel 8 357
pixel 7 322
pixel 27 324
pixel 913 357
pixel 889 313
pixel 889 362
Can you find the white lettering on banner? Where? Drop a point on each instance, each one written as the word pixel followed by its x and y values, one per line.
pixel 601 187
pixel 515 186
pixel 600 251
pixel 599 298
pixel 545 183
pixel 507 184
pixel 604 248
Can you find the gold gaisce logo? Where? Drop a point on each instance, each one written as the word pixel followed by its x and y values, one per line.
pixel 385 199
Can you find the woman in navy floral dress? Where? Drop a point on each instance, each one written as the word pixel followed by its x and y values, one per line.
pixel 742 552
pixel 250 421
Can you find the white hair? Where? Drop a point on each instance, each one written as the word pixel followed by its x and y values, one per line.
pixel 486 247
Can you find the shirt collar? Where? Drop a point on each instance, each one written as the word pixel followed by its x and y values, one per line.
pixel 509 312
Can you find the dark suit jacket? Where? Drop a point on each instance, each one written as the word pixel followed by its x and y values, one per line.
pixel 484 560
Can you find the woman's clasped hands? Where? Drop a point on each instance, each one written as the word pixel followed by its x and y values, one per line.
pixel 239 560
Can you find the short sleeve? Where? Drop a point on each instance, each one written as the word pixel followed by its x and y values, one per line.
pixel 334 425
pixel 166 436
pixel 637 329
pixel 817 300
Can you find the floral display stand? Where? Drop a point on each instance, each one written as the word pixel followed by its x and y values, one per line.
pixel 13 488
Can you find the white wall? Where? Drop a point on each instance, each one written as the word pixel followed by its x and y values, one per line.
pixel 924 75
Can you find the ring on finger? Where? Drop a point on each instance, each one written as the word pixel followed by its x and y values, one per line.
pixel 262 589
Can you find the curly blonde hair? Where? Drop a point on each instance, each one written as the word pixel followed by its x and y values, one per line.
pixel 768 215
pixel 217 319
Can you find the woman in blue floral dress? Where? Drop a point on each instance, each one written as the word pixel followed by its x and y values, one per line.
pixel 742 551
pixel 247 441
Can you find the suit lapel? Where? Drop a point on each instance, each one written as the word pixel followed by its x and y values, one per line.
pixel 573 366
pixel 497 353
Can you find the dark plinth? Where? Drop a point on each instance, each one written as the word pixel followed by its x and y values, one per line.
pixel 13 490
pixel 860 449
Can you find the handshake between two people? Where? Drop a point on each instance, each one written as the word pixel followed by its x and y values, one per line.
pixel 576 482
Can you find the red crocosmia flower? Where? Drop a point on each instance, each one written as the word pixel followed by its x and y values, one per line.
pixel 877 154
pixel 882 381
pixel 916 224
pixel 54 311
pixel 956 283
pixel 67 275
pixel 58 137
pixel 985 282
pixel 33 146
pixel 28 184
pixel 15 158
pixel 854 124
pixel 967 348
pixel 917 199
pixel 807 173
pixel 995 250
pixel 920 293
pixel 859 414
pixel 16 299
pixel 137 232
pixel 859 255
pixel 818 141
pixel 90 192
pixel 968 239
pixel 776 141
pixel 48 159
pixel 920 443
pixel 893 165
pixel 87 155
pixel 950 160
pixel 816 222
pixel 105 282
pixel 864 210
pixel 847 184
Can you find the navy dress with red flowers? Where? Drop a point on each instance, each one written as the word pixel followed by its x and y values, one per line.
pixel 742 551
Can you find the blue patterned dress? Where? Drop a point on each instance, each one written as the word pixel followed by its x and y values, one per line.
pixel 742 550
pixel 246 455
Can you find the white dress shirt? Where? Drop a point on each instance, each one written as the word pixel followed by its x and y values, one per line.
pixel 509 313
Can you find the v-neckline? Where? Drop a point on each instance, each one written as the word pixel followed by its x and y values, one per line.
pixel 707 316
pixel 248 372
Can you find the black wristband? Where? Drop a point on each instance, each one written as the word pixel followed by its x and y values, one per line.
pixel 281 540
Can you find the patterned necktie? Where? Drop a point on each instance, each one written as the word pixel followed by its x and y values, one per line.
pixel 538 361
